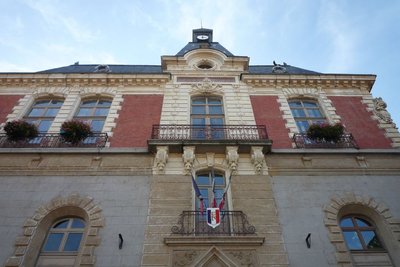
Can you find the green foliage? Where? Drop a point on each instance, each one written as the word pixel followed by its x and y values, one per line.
pixel 19 130
pixel 74 131
pixel 325 132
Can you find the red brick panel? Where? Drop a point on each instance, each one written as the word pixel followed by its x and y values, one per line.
pixel 7 102
pixel 266 112
pixel 135 121
pixel 357 120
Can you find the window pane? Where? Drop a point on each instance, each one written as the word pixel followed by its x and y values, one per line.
pixel 352 240
pixel 347 222
pixel 41 103
pixel 198 110
pixel 362 223
pixel 97 125
pixel 89 103
pixel 214 101
pixel 215 109
pixel 371 240
pixel 83 112
pixel 302 125
pixel 199 101
pixel 101 112
pixel 36 112
pixel 216 121
pixel 51 112
pixel 310 104
pixel 219 180
pixel 53 242
pixel 104 103
pixel 314 113
pixel 78 223
pixel 298 113
pixel 73 241
pixel 44 126
pixel 199 121
pixel 61 225
pixel 56 103
pixel 203 180
pixel 295 104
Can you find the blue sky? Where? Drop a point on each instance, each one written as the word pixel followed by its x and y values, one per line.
pixel 330 36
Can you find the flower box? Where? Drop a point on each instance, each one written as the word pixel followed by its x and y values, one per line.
pixel 325 132
pixel 20 130
pixel 75 131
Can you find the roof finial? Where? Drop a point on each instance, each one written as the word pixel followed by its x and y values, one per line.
pixel 201 23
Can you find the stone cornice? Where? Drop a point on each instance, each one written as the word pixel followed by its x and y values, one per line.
pixel 214 240
pixel 95 79
pixel 316 81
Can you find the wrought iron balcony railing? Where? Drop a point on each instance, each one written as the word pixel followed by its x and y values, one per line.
pixel 233 223
pixel 209 132
pixel 52 140
pixel 302 141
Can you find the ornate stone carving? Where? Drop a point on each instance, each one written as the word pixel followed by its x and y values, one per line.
pixel 244 258
pixel 188 158
pixel 380 110
pixel 161 158
pixel 184 258
pixel 206 87
pixel 257 158
pixel 232 158
pixel 210 159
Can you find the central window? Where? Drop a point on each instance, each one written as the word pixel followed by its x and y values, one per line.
pixel 207 117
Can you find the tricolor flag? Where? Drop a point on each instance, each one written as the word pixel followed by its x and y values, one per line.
pixel 198 194
pixel 213 217
pixel 222 203
pixel 214 202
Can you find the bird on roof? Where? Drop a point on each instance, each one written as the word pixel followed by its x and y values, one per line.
pixel 274 63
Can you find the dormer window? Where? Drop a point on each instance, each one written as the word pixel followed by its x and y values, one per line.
pixel 102 68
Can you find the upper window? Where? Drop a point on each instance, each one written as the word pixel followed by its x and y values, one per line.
pixel 43 112
pixel 207 117
pixel 94 112
pixel 306 113
pixel 64 236
pixel 359 233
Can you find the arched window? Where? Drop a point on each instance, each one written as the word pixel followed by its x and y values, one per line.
pixel 207 117
pixel 62 243
pixel 306 113
pixel 359 233
pixel 43 112
pixel 94 112
pixel 210 184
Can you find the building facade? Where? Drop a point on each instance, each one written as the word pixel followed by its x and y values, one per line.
pixel 203 129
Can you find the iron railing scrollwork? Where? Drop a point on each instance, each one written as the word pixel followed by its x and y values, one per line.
pixel 53 140
pixel 302 141
pixel 209 132
pixel 233 223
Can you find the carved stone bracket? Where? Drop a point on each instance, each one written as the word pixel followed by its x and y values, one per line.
pixel 232 158
pixel 206 87
pixel 257 158
pixel 161 158
pixel 188 158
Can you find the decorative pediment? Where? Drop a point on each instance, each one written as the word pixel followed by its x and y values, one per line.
pixel 206 87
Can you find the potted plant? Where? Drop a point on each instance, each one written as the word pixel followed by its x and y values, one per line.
pixel 74 131
pixel 19 130
pixel 325 132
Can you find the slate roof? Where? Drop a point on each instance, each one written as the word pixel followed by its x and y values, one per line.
pixel 156 69
pixel 116 69
pixel 214 45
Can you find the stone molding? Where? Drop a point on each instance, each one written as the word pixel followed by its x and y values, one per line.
pixel 95 221
pixel 232 158
pixel 257 158
pixel 188 157
pixel 332 210
pixel 161 159
pixel 379 113
pixel 206 87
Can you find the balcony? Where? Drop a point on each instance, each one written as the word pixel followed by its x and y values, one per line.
pixel 209 137
pixel 54 140
pixel 194 223
pixel 302 141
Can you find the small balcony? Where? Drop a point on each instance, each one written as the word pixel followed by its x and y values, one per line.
pixel 210 137
pixel 302 141
pixel 54 140
pixel 194 223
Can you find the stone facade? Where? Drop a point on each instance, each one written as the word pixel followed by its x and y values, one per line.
pixel 134 191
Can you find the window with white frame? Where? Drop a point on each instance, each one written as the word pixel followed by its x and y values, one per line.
pixel 306 112
pixel 94 112
pixel 43 113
